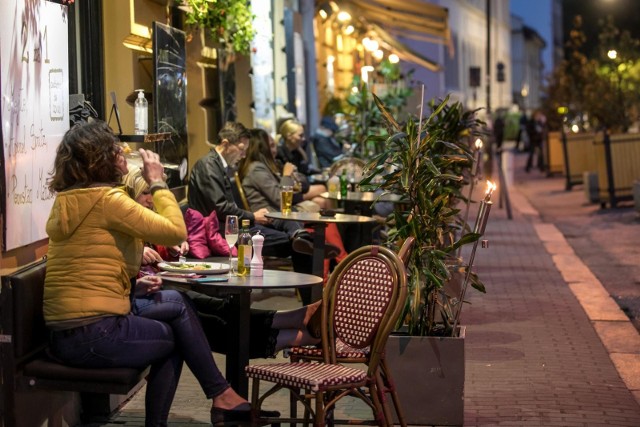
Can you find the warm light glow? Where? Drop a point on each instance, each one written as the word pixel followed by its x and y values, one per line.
pixel 364 73
pixel 349 30
pixel 612 54
pixel 478 144
pixel 575 128
pixel 370 44
pixel 323 14
pixel 563 110
pixel 393 58
pixel 525 90
pixel 490 189
pixel 378 54
pixel 354 89
pixel 344 16
pixel 339 44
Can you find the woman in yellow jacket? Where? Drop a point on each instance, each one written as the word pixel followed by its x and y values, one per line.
pixel 96 234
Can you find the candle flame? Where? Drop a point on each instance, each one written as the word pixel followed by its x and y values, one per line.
pixel 478 144
pixel 490 189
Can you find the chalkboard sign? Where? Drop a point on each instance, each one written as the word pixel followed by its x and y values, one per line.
pixel 34 91
pixel 170 94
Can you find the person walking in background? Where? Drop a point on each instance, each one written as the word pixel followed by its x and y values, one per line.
pixel 498 130
pixel 536 129
pixel 522 134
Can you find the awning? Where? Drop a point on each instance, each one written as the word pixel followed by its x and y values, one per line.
pixel 415 19
pixel 403 51
pixel 412 18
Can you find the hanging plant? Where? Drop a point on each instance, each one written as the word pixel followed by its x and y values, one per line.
pixel 230 22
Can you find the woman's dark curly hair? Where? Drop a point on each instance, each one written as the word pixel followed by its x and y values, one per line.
pixel 86 155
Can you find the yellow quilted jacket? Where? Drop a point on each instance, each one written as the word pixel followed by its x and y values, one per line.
pixel 96 237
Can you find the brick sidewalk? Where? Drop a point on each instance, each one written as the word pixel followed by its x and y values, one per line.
pixel 534 356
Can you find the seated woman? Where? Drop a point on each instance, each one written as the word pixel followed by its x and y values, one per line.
pixel 270 330
pixel 96 234
pixel 289 150
pixel 261 181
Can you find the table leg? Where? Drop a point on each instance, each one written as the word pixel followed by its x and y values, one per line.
pixel 238 354
pixel 318 258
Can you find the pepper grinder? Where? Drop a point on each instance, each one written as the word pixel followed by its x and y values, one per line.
pixel 256 261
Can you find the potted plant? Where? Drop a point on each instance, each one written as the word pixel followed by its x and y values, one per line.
pixel 428 162
pixel 229 22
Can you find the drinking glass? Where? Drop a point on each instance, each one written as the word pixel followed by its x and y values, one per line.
pixel 286 199
pixel 231 229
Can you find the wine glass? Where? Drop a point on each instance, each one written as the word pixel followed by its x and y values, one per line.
pixel 231 229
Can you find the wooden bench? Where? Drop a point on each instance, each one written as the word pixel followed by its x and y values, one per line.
pixel 23 344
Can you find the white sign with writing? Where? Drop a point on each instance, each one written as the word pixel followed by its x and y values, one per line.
pixel 34 91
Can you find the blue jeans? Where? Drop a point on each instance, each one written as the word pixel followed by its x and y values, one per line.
pixel 163 331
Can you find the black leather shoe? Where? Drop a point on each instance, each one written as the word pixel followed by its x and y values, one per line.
pixel 224 417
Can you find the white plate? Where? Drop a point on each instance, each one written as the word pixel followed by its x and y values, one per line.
pixel 195 267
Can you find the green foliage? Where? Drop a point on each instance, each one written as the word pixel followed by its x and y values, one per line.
pixel 364 119
pixel 230 22
pixel 427 162
pixel 599 91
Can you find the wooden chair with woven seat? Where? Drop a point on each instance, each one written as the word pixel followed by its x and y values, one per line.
pixel 346 354
pixel 362 302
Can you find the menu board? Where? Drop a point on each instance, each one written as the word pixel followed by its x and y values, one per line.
pixel 34 91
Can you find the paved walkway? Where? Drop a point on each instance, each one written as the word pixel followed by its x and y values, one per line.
pixel 546 346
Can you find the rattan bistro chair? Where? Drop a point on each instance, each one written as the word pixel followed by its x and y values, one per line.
pixel 346 354
pixel 362 301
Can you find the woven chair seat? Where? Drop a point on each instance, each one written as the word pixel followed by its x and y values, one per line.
pixel 343 351
pixel 305 375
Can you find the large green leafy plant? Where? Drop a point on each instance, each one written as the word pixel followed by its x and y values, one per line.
pixel 428 162
pixel 230 22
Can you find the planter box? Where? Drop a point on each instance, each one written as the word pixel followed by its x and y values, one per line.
pixel 429 377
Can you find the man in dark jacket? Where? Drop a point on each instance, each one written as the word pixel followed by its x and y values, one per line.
pixel 210 188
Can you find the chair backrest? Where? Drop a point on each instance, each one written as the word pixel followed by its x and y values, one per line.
pixel 363 300
pixel 405 250
pixel 239 195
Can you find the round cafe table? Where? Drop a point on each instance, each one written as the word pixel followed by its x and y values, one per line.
pixel 319 225
pixel 239 291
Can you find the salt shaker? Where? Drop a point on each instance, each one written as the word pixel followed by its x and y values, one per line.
pixel 256 261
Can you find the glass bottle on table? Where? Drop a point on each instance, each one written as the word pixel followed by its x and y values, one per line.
pixel 344 184
pixel 231 236
pixel 244 249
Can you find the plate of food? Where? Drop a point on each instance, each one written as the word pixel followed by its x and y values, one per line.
pixel 194 267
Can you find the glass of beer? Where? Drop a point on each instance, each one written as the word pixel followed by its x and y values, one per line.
pixel 286 199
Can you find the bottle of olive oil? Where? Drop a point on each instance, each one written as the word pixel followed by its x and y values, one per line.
pixel 244 250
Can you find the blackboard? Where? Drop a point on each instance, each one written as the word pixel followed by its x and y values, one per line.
pixel 170 93
pixel 34 91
